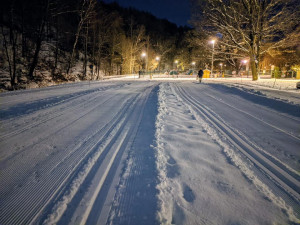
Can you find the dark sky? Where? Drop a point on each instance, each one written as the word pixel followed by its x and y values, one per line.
pixel 176 11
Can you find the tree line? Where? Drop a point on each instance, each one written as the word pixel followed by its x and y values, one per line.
pixel 55 40
pixel 46 41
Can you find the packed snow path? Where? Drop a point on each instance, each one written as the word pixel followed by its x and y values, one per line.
pixel 140 152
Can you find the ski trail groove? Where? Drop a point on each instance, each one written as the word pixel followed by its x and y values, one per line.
pixel 254 117
pixel 15 174
pixel 111 155
pixel 276 161
pixel 62 172
pixel 281 177
pixel 35 200
pixel 56 113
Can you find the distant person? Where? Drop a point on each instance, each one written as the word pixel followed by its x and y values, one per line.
pixel 200 75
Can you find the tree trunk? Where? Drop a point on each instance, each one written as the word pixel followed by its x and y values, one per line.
pixel 254 69
pixel 35 57
pixel 39 40
pixel 85 51
pixel 11 61
pixel 56 50
pixel 73 51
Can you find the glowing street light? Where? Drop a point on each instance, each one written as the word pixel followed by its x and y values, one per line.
pixel 221 66
pixel 157 58
pixel 193 64
pixel 176 62
pixel 144 55
pixel 245 62
pixel 212 57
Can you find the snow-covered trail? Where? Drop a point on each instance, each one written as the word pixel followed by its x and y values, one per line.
pixel 250 130
pixel 62 153
pixel 148 152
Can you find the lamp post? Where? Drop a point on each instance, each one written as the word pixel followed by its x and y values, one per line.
pixel 212 57
pixel 176 63
pixel 144 55
pixel 245 61
pixel 158 61
pixel 193 64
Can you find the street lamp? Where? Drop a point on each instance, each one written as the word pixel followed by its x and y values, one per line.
pixel 212 57
pixel 158 60
pixel 245 61
pixel 144 55
pixel 176 62
pixel 193 64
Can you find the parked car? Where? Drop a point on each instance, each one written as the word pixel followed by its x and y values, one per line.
pixel 174 72
pixel 189 72
pixel 298 85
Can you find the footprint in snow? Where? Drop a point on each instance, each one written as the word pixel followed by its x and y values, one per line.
pixel 188 194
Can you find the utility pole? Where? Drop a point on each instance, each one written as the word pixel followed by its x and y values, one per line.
pixel 147 56
pixel 212 57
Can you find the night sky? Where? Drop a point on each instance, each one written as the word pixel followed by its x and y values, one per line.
pixel 176 11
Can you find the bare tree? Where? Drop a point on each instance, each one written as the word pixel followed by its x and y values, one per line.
pixel 40 34
pixel 253 27
pixel 132 46
pixel 85 12
pixel 10 37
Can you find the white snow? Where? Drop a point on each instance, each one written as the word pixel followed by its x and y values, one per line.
pixel 141 151
pixel 196 184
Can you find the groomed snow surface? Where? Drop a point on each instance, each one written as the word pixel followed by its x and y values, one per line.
pixel 151 152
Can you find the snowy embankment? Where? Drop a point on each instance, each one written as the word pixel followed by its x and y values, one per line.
pixel 148 152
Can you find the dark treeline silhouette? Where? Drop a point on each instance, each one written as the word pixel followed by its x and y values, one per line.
pixel 50 41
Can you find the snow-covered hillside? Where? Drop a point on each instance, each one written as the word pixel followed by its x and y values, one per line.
pixel 149 152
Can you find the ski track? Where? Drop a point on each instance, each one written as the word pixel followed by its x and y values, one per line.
pixel 139 178
pixel 54 113
pixel 91 178
pixel 280 176
pixel 12 170
pixel 32 202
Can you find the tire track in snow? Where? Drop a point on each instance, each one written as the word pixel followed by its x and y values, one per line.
pixel 276 174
